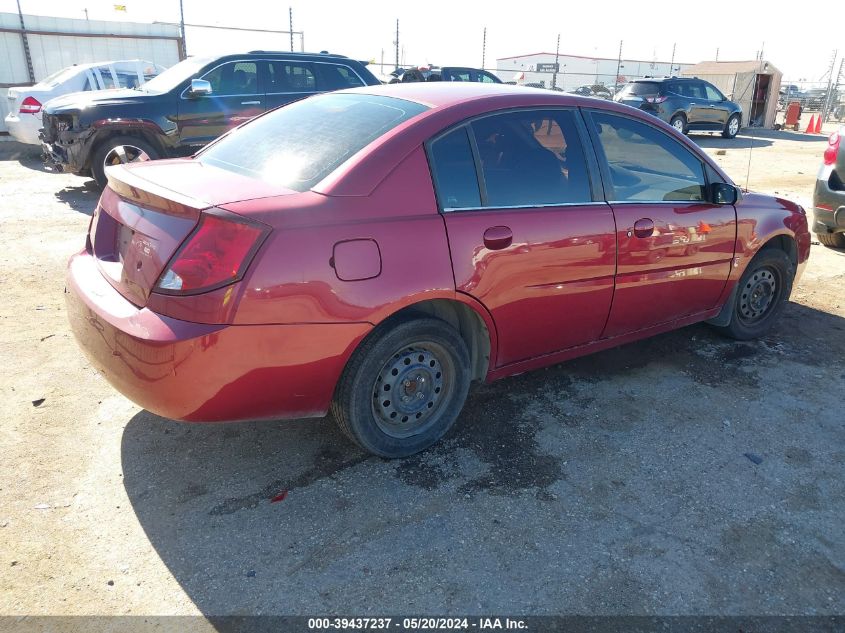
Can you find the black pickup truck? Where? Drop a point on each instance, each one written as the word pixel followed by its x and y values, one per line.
pixel 185 107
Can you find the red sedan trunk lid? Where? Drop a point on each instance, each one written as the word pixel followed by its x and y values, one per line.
pixel 148 210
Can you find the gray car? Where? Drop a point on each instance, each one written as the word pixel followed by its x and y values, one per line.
pixel 829 195
pixel 685 104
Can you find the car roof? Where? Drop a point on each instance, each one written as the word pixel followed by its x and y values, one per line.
pixel 442 94
pixel 659 79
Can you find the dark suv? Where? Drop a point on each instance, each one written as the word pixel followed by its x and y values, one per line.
pixel 185 107
pixel 685 104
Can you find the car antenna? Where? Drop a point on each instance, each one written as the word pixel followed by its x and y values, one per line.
pixel 751 123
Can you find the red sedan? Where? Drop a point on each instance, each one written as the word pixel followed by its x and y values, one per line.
pixel 376 250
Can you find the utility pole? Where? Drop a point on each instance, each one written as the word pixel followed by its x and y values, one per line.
pixel 290 21
pixel 25 41
pixel 717 54
pixel 396 42
pixel 619 65
pixel 484 48
pixel 557 56
pixel 182 27
pixel 672 63
pixel 827 94
pixel 86 13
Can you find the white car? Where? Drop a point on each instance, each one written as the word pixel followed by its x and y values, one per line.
pixel 24 119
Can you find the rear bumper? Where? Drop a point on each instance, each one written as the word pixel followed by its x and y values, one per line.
pixel 23 130
pixel 828 206
pixel 205 373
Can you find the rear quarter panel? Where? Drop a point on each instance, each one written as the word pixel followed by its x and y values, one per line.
pixel 293 279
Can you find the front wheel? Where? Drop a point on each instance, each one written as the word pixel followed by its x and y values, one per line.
pixel 761 293
pixel 118 150
pixel 732 127
pixel 403 389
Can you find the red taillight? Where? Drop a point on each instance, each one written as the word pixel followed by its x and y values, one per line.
pixel 832 148
pixel 660 99
pixel 30 105
pixel 216 254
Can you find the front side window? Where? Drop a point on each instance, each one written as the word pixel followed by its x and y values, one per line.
pixel 300 144
pixel 712 93
pixel 645 164
pixel 487 78
pixel 232 79
pixel 531 158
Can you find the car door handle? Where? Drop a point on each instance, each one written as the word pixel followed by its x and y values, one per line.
pixel 643 227
pixel 498 237
pixel 250 103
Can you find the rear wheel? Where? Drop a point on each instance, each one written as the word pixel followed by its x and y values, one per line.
pixel 404 387
pixel 833 240
pixel 732 127
pixel 761 293
pixel 119 150
pixel 679 122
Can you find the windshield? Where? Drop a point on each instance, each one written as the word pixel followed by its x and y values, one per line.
pixel 300 144
pixel 175 75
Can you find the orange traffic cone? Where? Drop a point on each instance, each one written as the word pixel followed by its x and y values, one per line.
pixel 811 125
pixel 818 128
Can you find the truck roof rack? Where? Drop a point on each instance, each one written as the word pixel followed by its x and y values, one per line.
pixel 263 52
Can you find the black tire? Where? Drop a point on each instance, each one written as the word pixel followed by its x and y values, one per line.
pixel 105 148
pixel 730 130
pixel 761 294
pixel 679 122
pixel 429 393
pixel 832 240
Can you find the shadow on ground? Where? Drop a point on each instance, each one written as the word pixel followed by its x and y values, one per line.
pixel 82 198
pixel 623 482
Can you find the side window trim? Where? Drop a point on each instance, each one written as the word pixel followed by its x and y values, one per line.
pixel 604 164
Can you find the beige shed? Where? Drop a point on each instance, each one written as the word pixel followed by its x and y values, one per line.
pixel 754 85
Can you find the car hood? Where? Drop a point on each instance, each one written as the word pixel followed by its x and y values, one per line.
pixel 77 101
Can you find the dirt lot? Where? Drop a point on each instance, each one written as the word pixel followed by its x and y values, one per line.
pixel 613 484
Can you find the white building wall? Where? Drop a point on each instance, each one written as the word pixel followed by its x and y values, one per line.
pixel 577 71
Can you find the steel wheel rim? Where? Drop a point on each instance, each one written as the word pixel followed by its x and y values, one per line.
pixel 412 389
pixel 757 296
pixel 678 125
pixel 733 127
pixel 123 154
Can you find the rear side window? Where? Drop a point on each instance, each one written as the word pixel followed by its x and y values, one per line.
pixel 532 158
pixel 334 77
pixel 645 164
pixel 300 144
pixel 454 171
pixel 291 77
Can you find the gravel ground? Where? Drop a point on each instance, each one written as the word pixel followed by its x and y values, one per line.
pixel 685 474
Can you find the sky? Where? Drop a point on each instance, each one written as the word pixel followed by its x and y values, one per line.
pixel 451 33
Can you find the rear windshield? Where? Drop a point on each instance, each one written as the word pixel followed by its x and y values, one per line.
pixel 642 88
pixel 300 144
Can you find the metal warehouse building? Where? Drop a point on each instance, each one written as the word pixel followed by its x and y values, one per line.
pixel 45 45
pixel 576 70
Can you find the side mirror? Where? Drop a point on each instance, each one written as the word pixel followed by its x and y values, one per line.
pixel 199 87
pixel 723 193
